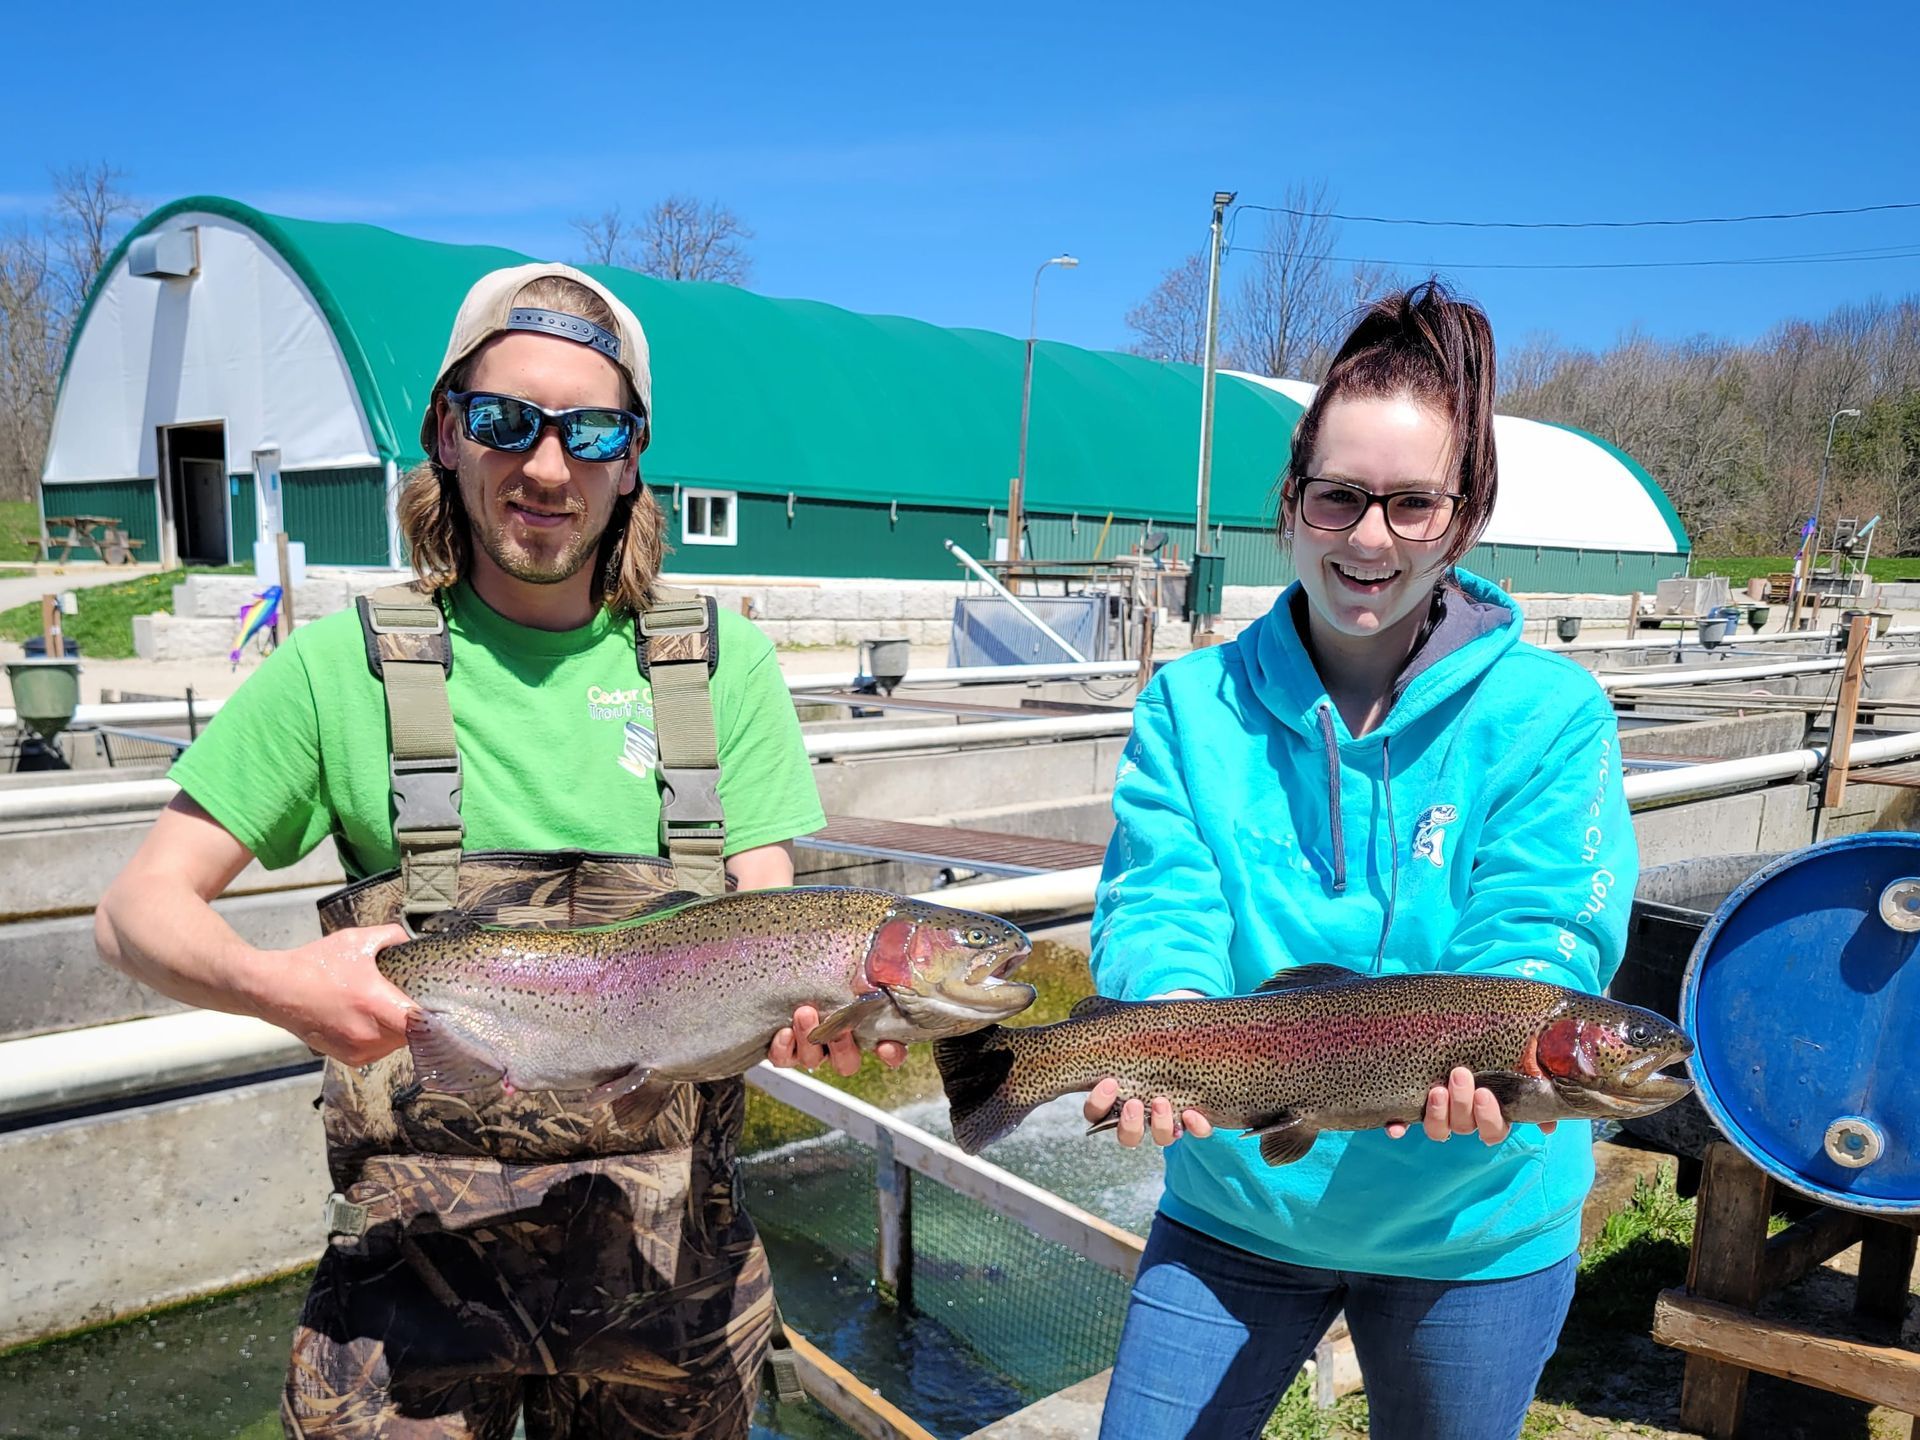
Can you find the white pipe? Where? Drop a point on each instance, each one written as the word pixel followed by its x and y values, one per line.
pixel 974 675
pixel 932 737
pixel 1732 641
pixel 1007 595
pixel 60 802
pixel 1660 679
pixel 174 712
pixel 45 1072
pixel 1693 780
pixel 57 801
pixel 138 712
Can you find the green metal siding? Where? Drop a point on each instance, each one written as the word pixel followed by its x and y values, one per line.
pixel 244 518
pixel 340 515
pixel 134 501
pixel 828 537
pixel 838 538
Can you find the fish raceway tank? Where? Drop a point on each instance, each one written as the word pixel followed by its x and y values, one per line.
pixel 1001 1318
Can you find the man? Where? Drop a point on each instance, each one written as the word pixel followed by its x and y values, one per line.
pixel 525 1250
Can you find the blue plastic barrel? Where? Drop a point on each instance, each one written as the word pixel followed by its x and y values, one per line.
pixel 1803 998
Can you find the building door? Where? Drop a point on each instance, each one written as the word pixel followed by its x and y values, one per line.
pixel 197 493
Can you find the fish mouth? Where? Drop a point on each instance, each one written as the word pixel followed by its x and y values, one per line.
pixel 1641 1086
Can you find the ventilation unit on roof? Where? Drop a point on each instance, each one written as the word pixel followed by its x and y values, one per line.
pixel 166 254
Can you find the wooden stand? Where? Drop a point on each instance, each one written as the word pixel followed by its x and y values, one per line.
pixel 1735 1265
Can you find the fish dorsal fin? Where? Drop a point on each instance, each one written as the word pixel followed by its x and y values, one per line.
pixel 450 924
pixel 1092 1005
pixel 1299 976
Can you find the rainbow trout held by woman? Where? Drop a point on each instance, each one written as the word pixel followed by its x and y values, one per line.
pixel 1318 1048
pixel 693 989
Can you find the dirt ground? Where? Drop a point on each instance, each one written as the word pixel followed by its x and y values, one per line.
pixel 1610 1379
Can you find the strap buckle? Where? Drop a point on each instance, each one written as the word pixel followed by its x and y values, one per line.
pixel 684 630
pixel 690 802
pixel 414 639
pixel 426 795
pixel 342 1217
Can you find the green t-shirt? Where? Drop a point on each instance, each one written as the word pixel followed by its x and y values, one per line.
pixel 556 738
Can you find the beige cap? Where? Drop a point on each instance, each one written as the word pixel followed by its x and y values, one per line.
pixel 489 309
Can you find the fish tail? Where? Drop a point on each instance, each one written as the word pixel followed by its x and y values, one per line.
pixel 976 1071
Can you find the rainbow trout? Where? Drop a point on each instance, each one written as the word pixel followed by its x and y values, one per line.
pixel 1318 1048
pixel 693 989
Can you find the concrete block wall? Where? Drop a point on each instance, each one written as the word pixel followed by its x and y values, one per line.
pixel 793 612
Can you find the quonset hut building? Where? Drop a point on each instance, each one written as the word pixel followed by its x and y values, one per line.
pixel 791 438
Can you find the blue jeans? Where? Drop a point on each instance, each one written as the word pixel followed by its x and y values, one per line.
pixel 1215 1334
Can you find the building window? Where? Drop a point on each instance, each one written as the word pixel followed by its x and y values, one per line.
pixel 707 517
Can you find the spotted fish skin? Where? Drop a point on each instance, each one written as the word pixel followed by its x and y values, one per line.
pixel 695 989
pixel 1321 1048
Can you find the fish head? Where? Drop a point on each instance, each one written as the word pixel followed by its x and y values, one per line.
pixel 1606 1060
pixel 946 970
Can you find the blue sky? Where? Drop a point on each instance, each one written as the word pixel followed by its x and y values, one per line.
pixel 923 159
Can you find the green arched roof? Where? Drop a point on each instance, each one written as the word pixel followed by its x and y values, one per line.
pixel 772 396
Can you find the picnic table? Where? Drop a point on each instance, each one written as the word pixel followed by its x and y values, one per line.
pixel 103 534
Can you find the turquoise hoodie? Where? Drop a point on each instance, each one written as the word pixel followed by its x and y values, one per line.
pixel 1481 828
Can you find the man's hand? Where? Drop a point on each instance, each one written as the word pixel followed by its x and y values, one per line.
pixel 1458 1108
pixel 332 995
pixel 791 1050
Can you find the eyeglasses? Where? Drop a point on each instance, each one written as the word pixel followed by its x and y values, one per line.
pixel 506 422
pixel 1411 514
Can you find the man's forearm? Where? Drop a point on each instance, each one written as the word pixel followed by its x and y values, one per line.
pixel 170 940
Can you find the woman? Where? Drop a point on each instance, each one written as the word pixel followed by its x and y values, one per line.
pixel 1376 773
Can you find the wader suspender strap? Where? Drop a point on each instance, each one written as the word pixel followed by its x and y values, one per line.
pixel 677 643
pixel 409 651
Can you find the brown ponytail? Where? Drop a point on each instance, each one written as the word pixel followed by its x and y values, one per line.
pixel 1436 350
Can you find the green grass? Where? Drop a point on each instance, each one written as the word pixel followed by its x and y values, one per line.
pixel 19 528
pixel 104 626
pixel 1741 568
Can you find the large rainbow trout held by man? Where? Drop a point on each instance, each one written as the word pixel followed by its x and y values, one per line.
pixel 1320 1047
pixel 693 989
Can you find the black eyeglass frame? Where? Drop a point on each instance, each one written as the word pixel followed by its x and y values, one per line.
pixel 462 400
pixel 1385 502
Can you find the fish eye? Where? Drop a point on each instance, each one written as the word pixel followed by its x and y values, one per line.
pixel 975 936
pixel 1639 1032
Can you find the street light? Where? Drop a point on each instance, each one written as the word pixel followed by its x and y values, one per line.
pixel 1819 496
pixel 1015 507
pixel 1205 571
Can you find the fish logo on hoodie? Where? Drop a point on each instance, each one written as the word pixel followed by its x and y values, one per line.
pixel 1430 835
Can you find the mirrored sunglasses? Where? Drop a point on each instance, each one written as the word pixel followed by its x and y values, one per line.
pixel 506 422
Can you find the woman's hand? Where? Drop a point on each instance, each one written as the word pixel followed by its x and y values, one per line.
pixel 790 1051
pixel 1459 1108
pixel 1138 1120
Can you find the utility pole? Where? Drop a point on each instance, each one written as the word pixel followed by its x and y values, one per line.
pixel 1204 583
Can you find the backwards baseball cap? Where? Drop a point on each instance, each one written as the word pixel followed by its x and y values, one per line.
pixel 491 308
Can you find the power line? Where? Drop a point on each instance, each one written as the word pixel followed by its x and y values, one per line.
pixel 1578 224
pixel 1830 257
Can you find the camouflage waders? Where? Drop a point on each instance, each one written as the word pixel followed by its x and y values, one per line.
pixel 519 1251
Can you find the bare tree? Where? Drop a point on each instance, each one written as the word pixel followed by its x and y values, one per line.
pixel 1171 323
pixel 32 340
pixel 605 240
pixel 684 238
pixel 88 204
pixel 1288 299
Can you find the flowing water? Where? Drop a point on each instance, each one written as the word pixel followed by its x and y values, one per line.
pixel 1001 1317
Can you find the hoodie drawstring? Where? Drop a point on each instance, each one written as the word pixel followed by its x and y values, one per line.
pixel 1333 800
pixel 1393 851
